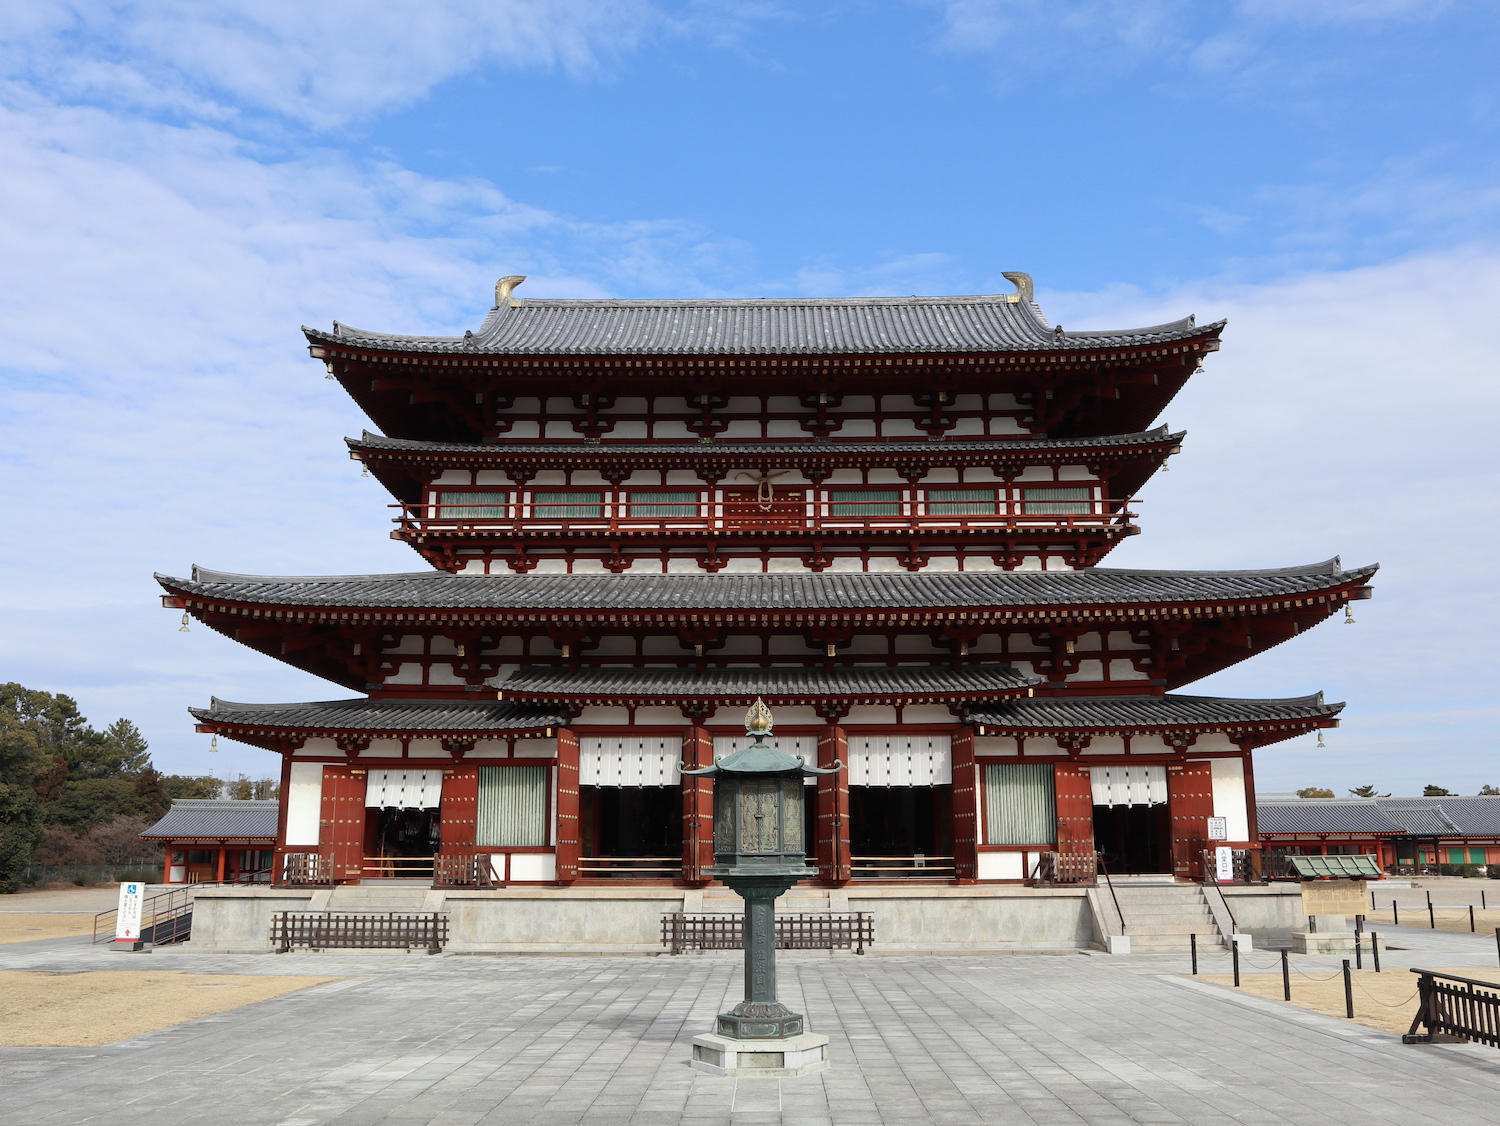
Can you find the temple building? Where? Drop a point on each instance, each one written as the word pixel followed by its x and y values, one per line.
pixel 883 517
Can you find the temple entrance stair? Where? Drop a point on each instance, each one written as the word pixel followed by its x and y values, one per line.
pixel 383 895
pixel 1159 917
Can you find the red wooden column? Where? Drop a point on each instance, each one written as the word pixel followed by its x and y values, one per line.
pixel 697 804
pixel 569 829
pixel 1190 803
pixel 278 869
pixel 965 808
pixel 831 847
pixel 219 878
pixel 1074 790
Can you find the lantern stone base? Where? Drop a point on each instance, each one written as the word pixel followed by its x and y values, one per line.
pixel 762 1059
pixel 760 1020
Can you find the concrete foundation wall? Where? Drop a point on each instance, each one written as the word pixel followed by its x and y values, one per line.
pixel 1269 914
pixel 628 920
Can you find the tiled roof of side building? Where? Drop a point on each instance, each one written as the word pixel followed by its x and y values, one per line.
pixel 772 684
pixel 1315 816
pixel 841 326
pixel 842 590
pixel 217 820
pixel 437 717
pixel 894 446
pixel 1473 816
pixel 1108 713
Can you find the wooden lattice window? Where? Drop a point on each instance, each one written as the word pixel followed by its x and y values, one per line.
pixel 961 502
pixel 865 502
pixel 567 506
pixel 664 504
pixel 473 506
pixel 1058 502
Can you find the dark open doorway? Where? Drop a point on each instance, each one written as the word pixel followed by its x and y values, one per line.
pixel 1134 839
pixel 901 831
pixel 401 842
pixel 632 830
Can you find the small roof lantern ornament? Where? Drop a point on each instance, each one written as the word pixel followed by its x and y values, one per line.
pixel 760 851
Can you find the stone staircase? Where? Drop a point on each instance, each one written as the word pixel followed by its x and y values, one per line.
pixel 381 897
pixel 1159 917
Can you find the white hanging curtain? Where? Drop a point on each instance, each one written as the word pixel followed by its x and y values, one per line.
pixel 404 789
pixel 1129 785
pixel 804 745
pixel 628 760
pixel 900 760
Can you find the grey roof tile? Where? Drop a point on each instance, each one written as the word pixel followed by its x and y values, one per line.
pixel 363 715
pixel 191 817
pixel 777 683
pixel 895 447
pixel 1120 712
pixel 842 326
pixel 1314 816
pixel 438 590
pixel 1471 817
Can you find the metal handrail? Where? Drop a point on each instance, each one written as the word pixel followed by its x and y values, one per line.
pixel 1104 867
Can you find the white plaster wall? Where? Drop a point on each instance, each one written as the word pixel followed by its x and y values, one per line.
pixel 986 745
pixel 533 866
pixel 304 805
pixel 1106 745
pixel 1002 865
pixel 603 715
pixel 1229 796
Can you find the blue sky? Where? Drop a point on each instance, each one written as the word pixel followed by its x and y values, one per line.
pixel 183 184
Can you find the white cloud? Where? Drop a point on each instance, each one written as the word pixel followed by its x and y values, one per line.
pixel 320 64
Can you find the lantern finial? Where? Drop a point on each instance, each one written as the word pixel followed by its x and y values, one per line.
pixel 758 719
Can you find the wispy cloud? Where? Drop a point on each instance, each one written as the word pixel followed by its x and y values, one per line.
pixel 321 65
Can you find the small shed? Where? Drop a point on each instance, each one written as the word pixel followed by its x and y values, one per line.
pixel 210 841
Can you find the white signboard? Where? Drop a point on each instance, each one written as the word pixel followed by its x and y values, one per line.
pixel 1224 864
pixel 128 917
pixel 1218 828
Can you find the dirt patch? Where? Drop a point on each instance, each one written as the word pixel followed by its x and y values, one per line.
pixel 87 1010
pixel 1447 919
pixel 61 897
pixel 30 928
pixel 1386 1001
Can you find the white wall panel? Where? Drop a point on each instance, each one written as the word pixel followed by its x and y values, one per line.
pixel 304 805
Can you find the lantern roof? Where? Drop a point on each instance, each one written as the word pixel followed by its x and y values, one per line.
pixel 761 758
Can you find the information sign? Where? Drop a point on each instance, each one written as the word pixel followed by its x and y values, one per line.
pixel 128 916
pixel 1224 864
pixel 1218 828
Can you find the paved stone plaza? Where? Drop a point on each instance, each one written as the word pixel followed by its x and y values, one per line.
pixel 453 1041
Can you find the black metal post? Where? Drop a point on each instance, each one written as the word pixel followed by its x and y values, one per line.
pixel 1471 919
pixel 1234 952
pixel 1193 946
pixel 1431 917
pixel 1348 991
pixel 1359 958
pixel 1497 940
pixel 1375 950
pixel 1395 915
pixel 1286 977
pixel 1483 904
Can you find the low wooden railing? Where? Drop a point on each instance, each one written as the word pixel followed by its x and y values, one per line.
pixel 307 869
pixel 812 930
pixel 1249 866
pixel 399 867
pixel 1454 1009
pixel 463 871
pixel 916 867
pixel 1065 868
pixel 335 930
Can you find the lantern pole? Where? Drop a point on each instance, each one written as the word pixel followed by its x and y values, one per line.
pixel 759 853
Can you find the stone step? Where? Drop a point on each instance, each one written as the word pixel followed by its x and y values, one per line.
pixel 1170 944
pixel 1133 928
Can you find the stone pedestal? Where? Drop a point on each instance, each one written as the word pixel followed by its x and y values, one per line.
pixel 1319 942
pixel 765 1059
pixel 128 945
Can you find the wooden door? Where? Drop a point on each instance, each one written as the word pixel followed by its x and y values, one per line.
pixel 965 808
pixel 459 809
pixel 1190 802
pixel 832 809
pixel 742 509
pixel 697 808
pixel 1074 789
pixel 569 839
pixel 342 834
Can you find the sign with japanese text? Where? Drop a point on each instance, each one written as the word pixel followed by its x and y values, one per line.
pixel 1218 828
pixel 128 915
pixel 1224 865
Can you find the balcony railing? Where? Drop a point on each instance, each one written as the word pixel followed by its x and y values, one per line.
pixel 801 516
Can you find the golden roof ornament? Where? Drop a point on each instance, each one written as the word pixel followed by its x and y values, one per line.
pixel 758 718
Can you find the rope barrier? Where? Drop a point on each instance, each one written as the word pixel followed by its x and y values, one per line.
pixel 1386 1004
